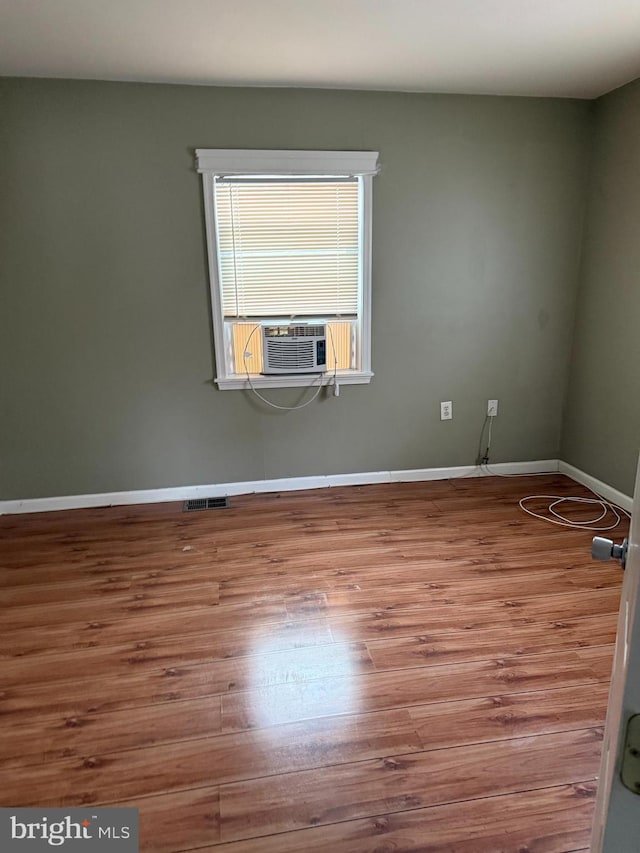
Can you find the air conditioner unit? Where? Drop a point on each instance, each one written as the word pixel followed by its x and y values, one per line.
pixel 300 348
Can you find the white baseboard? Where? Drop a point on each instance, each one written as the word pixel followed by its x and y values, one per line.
pixel 183 493
pixel 602 489
pixel 541 466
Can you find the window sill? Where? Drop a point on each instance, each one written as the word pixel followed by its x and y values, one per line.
pixel 239 382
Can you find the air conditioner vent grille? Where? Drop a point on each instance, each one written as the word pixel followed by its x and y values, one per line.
pixel 294 331
pixel 290 355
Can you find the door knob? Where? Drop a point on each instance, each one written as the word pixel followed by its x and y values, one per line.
pixel 605 549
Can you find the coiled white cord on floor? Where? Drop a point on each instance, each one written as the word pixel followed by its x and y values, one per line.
pixel 591 524
pixel 585 524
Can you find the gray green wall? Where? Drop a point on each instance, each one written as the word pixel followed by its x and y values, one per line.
pixel 602 422
pixel 105 330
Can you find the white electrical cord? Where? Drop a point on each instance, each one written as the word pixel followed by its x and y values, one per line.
pixel 564 521
pixel 300 405
pixel 336 387
pixel 555 500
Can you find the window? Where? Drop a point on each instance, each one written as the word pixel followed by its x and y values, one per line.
pixel 289 239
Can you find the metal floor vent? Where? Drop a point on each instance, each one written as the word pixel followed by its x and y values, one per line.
pixel 196 504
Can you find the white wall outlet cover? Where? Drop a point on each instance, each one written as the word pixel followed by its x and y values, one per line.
pixel 446 411
pixel 492 408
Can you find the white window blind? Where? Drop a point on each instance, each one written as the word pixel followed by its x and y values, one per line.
pixel 288 246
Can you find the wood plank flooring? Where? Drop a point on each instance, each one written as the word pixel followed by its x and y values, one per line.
pixel 403 667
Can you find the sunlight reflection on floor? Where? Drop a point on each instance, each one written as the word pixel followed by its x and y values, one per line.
pixel 301 683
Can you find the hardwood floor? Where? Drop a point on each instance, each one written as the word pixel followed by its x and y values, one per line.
pixel 405 667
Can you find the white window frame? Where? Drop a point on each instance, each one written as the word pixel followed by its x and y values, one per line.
pixel 212 162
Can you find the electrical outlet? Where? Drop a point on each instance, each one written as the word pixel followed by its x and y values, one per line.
pixel 446 411
pixel 492 408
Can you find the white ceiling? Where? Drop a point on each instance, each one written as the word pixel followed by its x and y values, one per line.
pixel 566 48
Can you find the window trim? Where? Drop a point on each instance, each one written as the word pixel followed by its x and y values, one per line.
pixel 212 162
